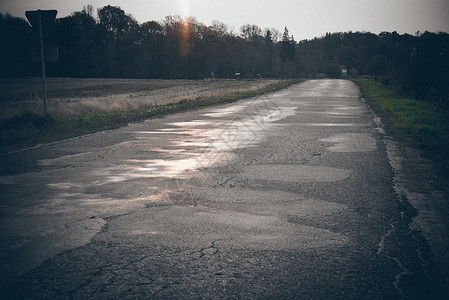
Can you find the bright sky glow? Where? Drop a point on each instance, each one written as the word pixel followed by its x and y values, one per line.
pixel 305 19
pixel 185 8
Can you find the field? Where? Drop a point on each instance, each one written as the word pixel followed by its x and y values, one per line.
pixel 81 106
pixel 69 96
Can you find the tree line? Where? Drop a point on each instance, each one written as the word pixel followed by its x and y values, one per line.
pixel 413 65
pixel 111 43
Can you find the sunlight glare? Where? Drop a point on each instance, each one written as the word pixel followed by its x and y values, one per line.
pixel 185 8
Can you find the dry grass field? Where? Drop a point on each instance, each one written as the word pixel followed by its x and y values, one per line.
pixel 78 96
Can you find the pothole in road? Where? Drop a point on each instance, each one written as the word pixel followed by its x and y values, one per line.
pixel 295 173
pixel 188 226
pixel 351 142
pixel 266 202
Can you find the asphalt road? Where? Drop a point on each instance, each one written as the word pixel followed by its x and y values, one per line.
pixel 288 195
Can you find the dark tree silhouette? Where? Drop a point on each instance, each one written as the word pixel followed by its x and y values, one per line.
pixel 112 43
pixel 287 46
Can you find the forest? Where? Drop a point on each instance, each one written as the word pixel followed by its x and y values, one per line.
pixel 110 43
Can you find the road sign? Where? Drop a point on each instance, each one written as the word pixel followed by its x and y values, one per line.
pixel 40 18
pixel 47 16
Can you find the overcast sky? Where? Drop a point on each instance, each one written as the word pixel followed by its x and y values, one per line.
pixel 305 19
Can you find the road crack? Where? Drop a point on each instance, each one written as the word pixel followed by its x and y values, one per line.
pixel 224 183
pixel 207 251
pixel 382 252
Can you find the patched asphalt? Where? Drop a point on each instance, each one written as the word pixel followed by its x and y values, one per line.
pixel 287 195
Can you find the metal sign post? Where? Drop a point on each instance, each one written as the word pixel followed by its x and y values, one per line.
pixel 41 42
pixel 38 18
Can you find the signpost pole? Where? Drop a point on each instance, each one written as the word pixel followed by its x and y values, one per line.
pixel 44 84
pixel 40 18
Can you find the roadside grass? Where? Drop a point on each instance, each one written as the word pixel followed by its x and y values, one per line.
pixel 31 129
pixel 420 124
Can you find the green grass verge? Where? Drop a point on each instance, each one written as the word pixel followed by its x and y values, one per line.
pixel 32 129
pixel 420 124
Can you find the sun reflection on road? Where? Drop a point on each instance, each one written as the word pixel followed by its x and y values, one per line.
pixel 192 145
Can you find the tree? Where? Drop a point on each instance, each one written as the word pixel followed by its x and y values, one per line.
pixel 114 44
pixel 152 47
pixel 77 39
pixel 275 34
pixel 15 39
pixel 219 29
pixel 175 46
pixel 250 32
pixel 287 47
pixel 269 52
pixel 121 42
pixel 378 65
pixel 116 23
pixel 223 59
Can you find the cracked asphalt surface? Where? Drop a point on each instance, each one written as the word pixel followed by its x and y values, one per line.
pixel 287 195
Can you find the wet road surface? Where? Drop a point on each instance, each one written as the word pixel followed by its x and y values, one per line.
pixel 288 195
